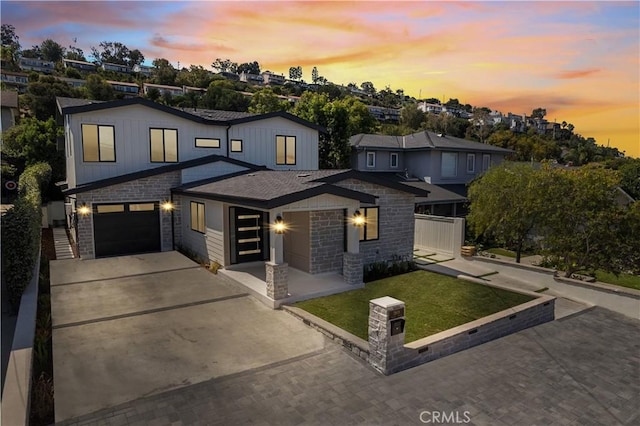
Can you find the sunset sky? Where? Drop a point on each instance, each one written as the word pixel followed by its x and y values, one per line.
pixel 579 60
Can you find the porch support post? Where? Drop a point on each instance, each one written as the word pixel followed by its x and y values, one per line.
pixel 277 271
pixel 352 259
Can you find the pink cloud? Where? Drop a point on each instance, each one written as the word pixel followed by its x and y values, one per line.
pixel 571 74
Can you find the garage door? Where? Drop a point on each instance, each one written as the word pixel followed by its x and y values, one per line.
pixel 126 228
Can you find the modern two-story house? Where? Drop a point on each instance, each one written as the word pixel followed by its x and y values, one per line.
pixel 231 187
pixel 427 157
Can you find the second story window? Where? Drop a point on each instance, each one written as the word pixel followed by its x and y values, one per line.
pixel 285 149
pixel 236 145
pixel 98 143
pixel 371 159
pixel 471 163
pixel 449 166
pixel 164 145
pixel 486 162
pixel 394 160
pixel 207 143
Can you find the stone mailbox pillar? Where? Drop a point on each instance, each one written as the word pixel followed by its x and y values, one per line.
pixel 277 280
pixel 386 333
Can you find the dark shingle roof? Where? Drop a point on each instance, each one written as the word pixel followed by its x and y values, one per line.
pixel 422 140
pixel 437 194
pixel 217 115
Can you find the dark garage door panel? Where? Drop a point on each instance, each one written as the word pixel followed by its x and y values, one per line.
pixel 126 232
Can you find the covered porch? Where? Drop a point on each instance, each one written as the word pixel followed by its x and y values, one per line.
pixel 301 285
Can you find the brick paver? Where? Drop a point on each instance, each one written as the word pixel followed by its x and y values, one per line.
pixel 581 370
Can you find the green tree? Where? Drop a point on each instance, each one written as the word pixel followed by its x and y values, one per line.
pixel 368 87
pixel 41 96
pixel 412 117
pixel 164 72
pixel 51 51
pixel 34 141
pixel 265 101
pixel 10 47
pixel 582 222
pixel 75 54
pixel 295 73
pixel 224 65
pixel 97 88
pixel 538 113
pixel 195 76
pixel 249 68
pixel 506 203
pixel 481 125
pixel 222 95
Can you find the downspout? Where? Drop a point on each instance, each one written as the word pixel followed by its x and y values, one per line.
pixel 228 141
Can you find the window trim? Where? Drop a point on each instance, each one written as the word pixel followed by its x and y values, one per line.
pixel 391 157
pixel 473 168
pixel 164 148
pixel 231 145
pixel 207 139
pixel 371 154
pixel 365 211
pixel 295 149
pixel 113 128
pixel 204 217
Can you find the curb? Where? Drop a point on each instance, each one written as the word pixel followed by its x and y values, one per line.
pixel 599 286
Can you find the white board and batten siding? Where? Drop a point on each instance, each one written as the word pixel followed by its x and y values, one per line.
pixel 259 143
pixel 210 245
pixel 441 234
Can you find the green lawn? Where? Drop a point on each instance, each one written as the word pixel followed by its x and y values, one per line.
pixel 624 280
pixel 434 303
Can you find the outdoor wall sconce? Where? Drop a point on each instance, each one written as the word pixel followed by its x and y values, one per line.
pixel 358 219
pixel 84 210
pixel 166 206
pixel 279 225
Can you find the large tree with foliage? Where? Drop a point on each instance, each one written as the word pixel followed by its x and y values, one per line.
pixel 164 72
pixel 51 50
pixel 222 95
pixel 507 204
pixel 10 47
pixel 412 117
pixel 341 118
pixel 224 65
pixel 97 88
pixel 264 101
pixel 41 96
pixel 249 68
pixel 195 76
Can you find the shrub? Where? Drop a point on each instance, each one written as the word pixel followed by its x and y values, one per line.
pixel 21 231
pixel 382 269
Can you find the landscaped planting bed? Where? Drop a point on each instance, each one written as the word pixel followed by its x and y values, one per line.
pixel 434 303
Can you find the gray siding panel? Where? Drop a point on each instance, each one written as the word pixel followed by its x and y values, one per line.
pixel 211 245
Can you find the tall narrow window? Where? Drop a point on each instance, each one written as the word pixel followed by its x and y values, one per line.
pixel 236 145
pixel 164 145
pixel 449 166
pixel 486 162
pixel 197 217
pixel 98 143
pixel 371 159
pixel 471 163
pixel 369 231
pixel 394 160
pixel 285 149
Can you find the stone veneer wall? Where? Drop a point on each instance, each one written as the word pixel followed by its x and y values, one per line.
pixel 396 222
pixel 154 188
pixel 327 240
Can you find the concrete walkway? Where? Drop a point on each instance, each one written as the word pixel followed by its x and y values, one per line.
pixel 583 370
pixel 133 326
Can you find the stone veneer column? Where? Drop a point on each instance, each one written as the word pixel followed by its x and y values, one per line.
pixel 277 280
pixel 384 348
pixel 352 267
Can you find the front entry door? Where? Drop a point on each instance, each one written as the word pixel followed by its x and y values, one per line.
pixel 248 241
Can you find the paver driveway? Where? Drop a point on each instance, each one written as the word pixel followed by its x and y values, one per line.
pixel 133 326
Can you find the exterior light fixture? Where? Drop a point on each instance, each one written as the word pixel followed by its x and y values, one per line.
pixel 167 206
pixel 358 219
pixel 84 210
pixel 279 225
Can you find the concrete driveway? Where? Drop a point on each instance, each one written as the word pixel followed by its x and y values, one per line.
pixel 134 326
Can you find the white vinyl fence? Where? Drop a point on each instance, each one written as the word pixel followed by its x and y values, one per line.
pixel 440 234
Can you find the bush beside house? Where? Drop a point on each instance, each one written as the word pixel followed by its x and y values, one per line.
pixel 21 231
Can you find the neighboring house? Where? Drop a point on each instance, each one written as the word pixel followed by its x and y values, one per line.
pixel 383 114
pixel 127 89
pixel 172 90
pixel 251 78
pixel 80 65
pixel 116 68
pixel 145 70
pixel 10 109
pixel 15 79
pixel 433 158
pixel 273 79
pixel 430 108
pixel 145 177
pixel 73 82
pixel 35 64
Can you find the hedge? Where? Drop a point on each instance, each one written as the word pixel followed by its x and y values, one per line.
pixel 21 229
